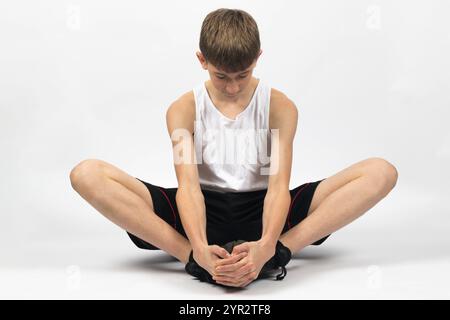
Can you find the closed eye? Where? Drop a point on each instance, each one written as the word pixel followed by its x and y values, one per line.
pixel 242 77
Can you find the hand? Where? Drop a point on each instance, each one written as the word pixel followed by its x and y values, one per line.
pixel 208 257
pixel 239 272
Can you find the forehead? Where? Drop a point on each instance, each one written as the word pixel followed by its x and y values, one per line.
pixel 214 69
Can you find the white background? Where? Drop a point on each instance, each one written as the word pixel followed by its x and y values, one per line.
pixel 93 79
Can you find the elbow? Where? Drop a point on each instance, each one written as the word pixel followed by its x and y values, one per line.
pixel 188 193
pixel 280 195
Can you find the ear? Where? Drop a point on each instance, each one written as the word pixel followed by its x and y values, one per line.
pixel 256 60
pixel 202 60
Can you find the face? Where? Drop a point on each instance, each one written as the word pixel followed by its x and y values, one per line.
pixel 231 85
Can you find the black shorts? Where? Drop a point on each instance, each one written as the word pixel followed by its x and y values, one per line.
pixel 229 215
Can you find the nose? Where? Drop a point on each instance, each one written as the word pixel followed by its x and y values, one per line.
pixel 232 89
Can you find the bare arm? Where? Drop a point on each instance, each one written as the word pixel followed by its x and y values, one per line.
pixel 190 201
pixel 189 197
pixel 278 198
pixel 191 206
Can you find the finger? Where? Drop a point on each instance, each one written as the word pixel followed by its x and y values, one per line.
pixel 250 278
pixel 228 274
pixel 224 278
pixel 241 248
pixel 237 270
pixel 239 273
pixel 231 260
pixel 244 271
pixel 232 278
pixel 224 269
pixel 221 252
pixel 238 280
pixel 238 284
pixel 230 283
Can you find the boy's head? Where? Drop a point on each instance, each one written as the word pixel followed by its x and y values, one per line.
pixel 229 48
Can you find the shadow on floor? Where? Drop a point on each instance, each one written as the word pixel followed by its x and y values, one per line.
pixel 156 261
pixel 311 264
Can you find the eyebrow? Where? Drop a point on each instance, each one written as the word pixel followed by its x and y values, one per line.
pixel 216 72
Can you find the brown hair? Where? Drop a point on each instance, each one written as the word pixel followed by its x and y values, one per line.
pixel 229 39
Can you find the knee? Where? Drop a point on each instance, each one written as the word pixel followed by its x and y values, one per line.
pixel 385 174
pixel 84 173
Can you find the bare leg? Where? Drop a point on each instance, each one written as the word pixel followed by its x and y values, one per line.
pixel 358 189
pixel 126 202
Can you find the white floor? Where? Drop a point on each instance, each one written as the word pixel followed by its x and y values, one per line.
pixel 396 251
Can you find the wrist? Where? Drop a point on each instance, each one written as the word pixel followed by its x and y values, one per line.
pixel 199 247
pixel 268 244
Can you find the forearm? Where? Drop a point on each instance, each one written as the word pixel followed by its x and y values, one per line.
pixel 275 210
pixel 191 207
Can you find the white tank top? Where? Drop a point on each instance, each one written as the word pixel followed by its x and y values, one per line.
pixel 231 155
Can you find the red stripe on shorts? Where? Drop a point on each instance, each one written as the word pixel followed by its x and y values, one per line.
pixel 173 211
pixel 292 204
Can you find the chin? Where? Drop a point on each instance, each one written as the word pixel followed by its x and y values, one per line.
pixel 232 95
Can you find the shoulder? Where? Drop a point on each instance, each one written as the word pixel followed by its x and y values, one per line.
pixel 181 112
pixel 283 110
pixel 185 103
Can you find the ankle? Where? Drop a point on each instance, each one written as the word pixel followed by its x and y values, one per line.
pixel 184 257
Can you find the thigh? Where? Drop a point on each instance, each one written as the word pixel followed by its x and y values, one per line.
pixel 336 181
pixel 126 180
pixel 301 198
pixel 165 207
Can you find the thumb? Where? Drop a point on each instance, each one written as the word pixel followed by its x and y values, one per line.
pixel 243 247
pixel 221 252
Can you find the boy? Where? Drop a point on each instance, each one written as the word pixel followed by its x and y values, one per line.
pixel 220 202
